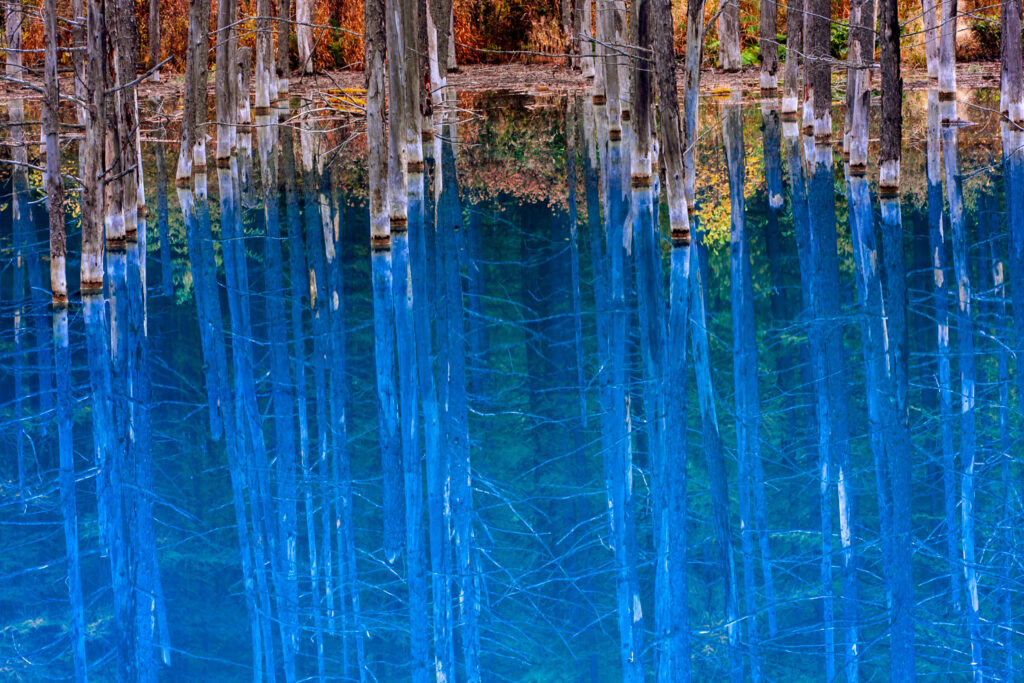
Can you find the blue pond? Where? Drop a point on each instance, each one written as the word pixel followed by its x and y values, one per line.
pixel 533 440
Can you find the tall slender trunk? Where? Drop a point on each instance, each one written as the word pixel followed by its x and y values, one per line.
pixel 641 97
pixel 304 34
pixel 948 19
pixel 1011 90
pixel 670 134
pixel 769 45
pixel 53 179
pixel 93 167
pixel 892 99
pixel 154 38
pixel 225 82
pixel 794 46
pixel 398 112
pixel 817 42
pixel 858 80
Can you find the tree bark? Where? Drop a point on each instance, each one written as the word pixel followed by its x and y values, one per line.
pixel 729 36
pixel 892 99
pixel 397 166
pixel 858 78
pixel 670 137
pixel 304 34
pixel 154 37
pixel 821 67
pixel 794 46
pixel 769 45
pixel 641 98
pixel 54 181
pixel 93 165
pixel 373 21
pixel 1011 92
pixel 947 51
pixel 225 82
pixel 284 10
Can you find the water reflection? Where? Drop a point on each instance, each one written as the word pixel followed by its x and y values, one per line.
pixel 533 437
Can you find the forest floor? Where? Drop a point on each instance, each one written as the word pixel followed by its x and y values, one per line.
pixel 555 79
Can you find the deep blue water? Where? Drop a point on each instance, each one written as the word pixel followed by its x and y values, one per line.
pixel 533 439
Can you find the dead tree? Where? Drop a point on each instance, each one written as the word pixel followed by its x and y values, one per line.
pixel 397 199
pixel 304 34
pixel 947 51
pixel 93 163
pixel 154 38
pixel 373 20
pixel 892 99
pixel 54 183
pixel 794 46
pixel 858 79
pixel 284 10
pixel 670 137
pixel 641 97
pixel 225 82
pixel 1011 90
pixel 769 26
pixel 729 36
pixel 819 14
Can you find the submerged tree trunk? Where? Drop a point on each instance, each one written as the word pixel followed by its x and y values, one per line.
pixel 892 99
pixel 373 20
pixel 54 181
pixel 769 45
pixel 670 134
pixel 819 22
pixel 641 97
pixel 858 79
pixel 93 167
pixel 794 46
pixel 948 18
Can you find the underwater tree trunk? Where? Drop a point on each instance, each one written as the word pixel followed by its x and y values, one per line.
pixel 968 435
pixel 748 448
pixel 769 45
pixel 729 36
pixel 892 99
pixel 937 243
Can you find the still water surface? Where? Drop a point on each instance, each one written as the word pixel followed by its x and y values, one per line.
pixel 286 456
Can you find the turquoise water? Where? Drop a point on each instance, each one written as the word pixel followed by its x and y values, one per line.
pixel 576 412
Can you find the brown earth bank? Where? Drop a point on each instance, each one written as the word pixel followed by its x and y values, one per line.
pixel 537 79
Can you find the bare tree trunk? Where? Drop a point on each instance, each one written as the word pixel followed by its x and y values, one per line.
pixel 947 51
pixel 397 166
pixel 858 79
pixel 794 46
pixel 670 137
pixel 769 27
pixel 93 164
pixel 54 181
pixel 609 21
pixel 304 34
pixel 373 21
pixel 587 47
pixel 191 95
pixel 452 64
pixel 13 20
pixel 284 10
pixel 154 38
pixel 729 36
pixel 694 57
pixel 641 98
pixel 266 64
pixel 224 82
pixel 1011 91
pixel 930 10
pixel 892 99
pixel 821 67
pixel 411 89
